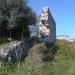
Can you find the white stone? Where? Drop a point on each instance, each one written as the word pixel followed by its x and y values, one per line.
pixel 34 30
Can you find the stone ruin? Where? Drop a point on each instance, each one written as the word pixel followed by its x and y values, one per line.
pixel 16 50
pixel 47 26
pixel 46 29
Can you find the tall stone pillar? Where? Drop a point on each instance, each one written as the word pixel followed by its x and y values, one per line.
pixel 47 26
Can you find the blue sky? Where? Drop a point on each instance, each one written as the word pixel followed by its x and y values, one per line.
pixel 63 12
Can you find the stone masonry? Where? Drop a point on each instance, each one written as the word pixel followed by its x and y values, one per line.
pixel 47 26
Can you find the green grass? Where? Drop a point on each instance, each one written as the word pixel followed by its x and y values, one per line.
pixel 63 63
pixel 4 45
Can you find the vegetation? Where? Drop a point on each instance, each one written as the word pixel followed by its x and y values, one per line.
pixel 62 62
pixel 15 16
pixel 58 59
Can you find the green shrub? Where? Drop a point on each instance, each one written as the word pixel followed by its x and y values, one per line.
pixel 63 61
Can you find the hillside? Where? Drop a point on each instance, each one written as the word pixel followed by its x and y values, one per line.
pixel 66 37
pixel 58 60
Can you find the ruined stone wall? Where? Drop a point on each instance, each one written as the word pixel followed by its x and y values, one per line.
pixel 47 26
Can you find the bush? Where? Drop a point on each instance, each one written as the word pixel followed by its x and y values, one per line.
pixel 62 55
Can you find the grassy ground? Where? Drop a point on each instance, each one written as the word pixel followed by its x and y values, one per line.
pixel 4 45
pixel 63 62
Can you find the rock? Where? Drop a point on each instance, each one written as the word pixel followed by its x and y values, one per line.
pixel 34 30
pixel 15 51
pixel 47 26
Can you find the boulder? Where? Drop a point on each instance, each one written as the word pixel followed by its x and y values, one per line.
pixel 16 50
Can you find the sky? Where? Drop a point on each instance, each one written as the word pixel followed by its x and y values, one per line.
pixel 63 11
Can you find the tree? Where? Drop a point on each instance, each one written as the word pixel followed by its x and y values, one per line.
pixel 15 16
